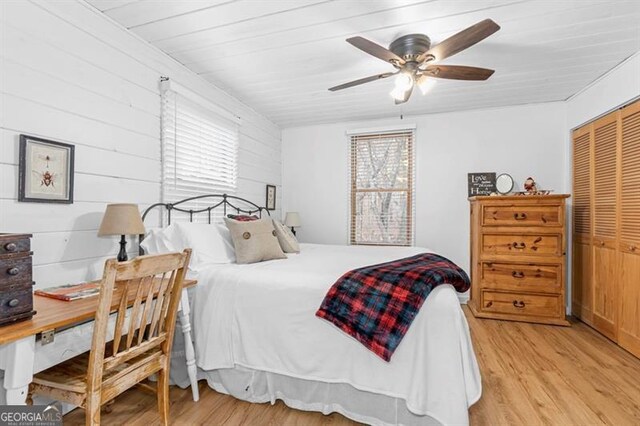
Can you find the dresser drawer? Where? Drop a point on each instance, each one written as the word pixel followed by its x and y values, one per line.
pixel 15 302
pixel 14 270
pixel 522 244
pixel 526 215
pixel 521 304
pixel 521 277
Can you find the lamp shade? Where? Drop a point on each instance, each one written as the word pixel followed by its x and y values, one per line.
pixel 292 219
pixel 121 219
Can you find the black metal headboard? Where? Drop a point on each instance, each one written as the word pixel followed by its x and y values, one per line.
pixel 224 201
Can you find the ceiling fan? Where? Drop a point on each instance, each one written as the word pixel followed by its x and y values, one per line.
pixel 415 59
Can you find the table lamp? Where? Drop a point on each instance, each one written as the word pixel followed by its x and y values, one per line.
pixel 121 219
pixel 292 219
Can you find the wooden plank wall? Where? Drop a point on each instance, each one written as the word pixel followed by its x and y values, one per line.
pixel 69 73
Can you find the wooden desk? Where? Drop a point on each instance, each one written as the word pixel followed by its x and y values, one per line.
pixel 18 340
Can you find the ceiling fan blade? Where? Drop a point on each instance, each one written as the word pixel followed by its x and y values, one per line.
pixel 407 95
pixel 461 41
pixel 375 50
pixel 362 81
pixel 458 72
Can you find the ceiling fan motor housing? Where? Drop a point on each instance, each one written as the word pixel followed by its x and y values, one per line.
pixel 411 46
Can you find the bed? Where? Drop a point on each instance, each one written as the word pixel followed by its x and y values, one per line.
pixel 257 338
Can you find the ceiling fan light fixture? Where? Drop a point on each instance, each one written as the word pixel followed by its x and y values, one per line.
pixel 413 58
pixel 398 93
pixel 404 81
pixel 425 84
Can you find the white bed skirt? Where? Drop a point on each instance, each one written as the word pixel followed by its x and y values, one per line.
pixel 262 387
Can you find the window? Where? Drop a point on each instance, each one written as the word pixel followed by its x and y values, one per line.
pixel 199 150
pixel 382 188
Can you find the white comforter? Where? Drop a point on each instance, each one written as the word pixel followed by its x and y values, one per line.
pixel 262 316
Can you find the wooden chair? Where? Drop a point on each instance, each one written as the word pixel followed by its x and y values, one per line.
pixel 140 345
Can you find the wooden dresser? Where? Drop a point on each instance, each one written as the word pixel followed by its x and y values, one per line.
pixel 16 294
pixel 518 249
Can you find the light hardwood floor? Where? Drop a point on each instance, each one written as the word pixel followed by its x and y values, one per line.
pixel 532 374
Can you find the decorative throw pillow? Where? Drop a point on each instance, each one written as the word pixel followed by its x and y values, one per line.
pixel 254 240
pixel 287 240
pixel 243 217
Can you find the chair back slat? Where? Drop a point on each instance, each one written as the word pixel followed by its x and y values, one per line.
pixel 157 309
pixel 154 306
pixel 120 317
pixel 163 313
pixel 135 311
pixel 148 302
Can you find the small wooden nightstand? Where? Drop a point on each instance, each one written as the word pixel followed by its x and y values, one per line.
pixel 59 324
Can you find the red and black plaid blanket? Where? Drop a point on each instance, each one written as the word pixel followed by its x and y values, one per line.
pixel 377 304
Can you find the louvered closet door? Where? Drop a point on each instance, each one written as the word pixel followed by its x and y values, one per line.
pixel 629 322
pixel 605 141
pixel 582 270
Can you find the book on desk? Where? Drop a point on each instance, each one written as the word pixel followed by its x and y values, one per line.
pixel 69 292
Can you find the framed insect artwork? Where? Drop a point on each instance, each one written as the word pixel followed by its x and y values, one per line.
pixel 46 171
pixel 271 197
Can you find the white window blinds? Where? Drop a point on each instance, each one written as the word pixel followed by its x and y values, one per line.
pixel 382 188
pixel 199 150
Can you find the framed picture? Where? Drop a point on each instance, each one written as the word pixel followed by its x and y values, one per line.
pixel 271 197
pixel 46 171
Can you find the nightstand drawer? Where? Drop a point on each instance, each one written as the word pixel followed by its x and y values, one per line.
pixel 521 304
pixel 522 244
pixel 521 277
pixel 526 215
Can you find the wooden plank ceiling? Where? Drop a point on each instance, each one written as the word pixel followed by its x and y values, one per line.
pixel 280 56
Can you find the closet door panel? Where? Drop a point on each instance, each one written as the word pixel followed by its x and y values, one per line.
pixel 629 324
pixel 605 295
pixel 582 265
pixel 605 191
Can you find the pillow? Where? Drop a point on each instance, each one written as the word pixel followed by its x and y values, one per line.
pixel 242 217
pixel 228 242
pixel 255 240
pixel 162 240
pixel 287 240
pixel 206 242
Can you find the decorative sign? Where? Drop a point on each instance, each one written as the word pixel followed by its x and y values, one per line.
pixel 481 183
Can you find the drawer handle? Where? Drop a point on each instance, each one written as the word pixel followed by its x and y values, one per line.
pixel 13 303
pixel 10 247
pixel 519 246
pixel 488 304
pixel 520 216
pixel 13 271
pixel 518 304
pixel 632 248
pixel 517 274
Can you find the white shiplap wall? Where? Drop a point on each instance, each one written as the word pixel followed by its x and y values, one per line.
pixel 69 73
